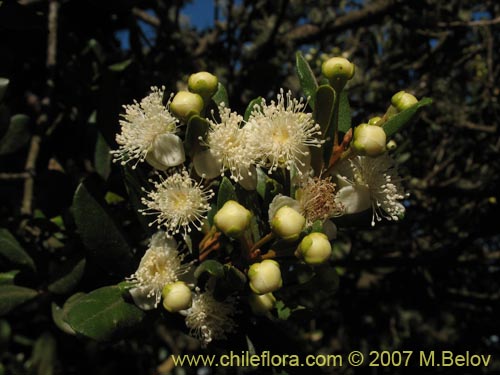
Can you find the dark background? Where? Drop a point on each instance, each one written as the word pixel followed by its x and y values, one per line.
pixel 431 282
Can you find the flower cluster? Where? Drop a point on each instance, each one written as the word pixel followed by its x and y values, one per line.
pixel 243 192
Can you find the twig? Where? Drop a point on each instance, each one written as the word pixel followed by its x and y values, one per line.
pixel 30 165
pixel 470 23
pixel 14 176
pixel 146 17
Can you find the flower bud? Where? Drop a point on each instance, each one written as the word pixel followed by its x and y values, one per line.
pixel 287 223
pixel 232 219
pixel 403 100
pixel 261 304
pixel 338 70
pixel 391 145
pixel 186 104
pixel 314 248
pixel 374 120
pixel 369 140
pixel 265 277
pixel 176 296
pixel 203 83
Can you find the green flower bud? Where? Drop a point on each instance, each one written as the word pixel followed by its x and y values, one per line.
pixel 338 70
pixel 265 277
pixel 232 219
pixel 261 304
pixel 314 248
pixel 287 223
pixel 369 140
pixel 176 296
pixel 403 100
pixel 186 104
pixel 203 83
pixel 374 120
pixel 391 145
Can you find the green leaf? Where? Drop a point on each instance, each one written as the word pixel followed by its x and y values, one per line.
pixel 323 110
pixel 118 67
pixel 4 120
pixel 344 113
pixel 212 267
pixel 134 181
pixel 13 251
pixel 67 276
pixel 4 83
pixel 322 114
pixel 102 157
pixel 197 127
pixel 267 187
pixel 58 318
pixel 307 79
pixel 44 355
pixel 226 193
pixel 17 135
pixel 101 234
pixel 103 314
pixel 283 311
pixel 396 122
pixel 251 106
pixel 7 278
pixel 220 95
pixel 12 296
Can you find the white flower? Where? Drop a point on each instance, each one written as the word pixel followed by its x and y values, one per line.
pixel 160 265
pixel 178 201
pixel 209 319
pixel 371 182
pixel 228 149
pixel 148 133
pixel 282 133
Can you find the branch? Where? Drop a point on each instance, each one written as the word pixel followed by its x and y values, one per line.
pixel 366 15
pixel 146 17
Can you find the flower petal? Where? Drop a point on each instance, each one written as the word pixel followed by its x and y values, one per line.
pixel 354 198
pixel 167 151
pixel 206 165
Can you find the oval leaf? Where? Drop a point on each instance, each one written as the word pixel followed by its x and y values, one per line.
pixel 344 113
pixel 307 79
pixel 211 267
pixel 226 193
pixel 251 106
pixel 67 276
pixel 220 95
pixel 197 127
pixel 13 251
pixel 12 296
pixel 17 135
pixel 103 314
pixel 402 118
pixel 101 235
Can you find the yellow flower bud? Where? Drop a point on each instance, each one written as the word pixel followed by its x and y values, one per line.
pixel 287 223
pixel 403 100
pixel 203 83
pixel 369 140
pixel 176 296
pixel 265 277
pixel 232 219
pixel 261 304
pixel 186 104
pixel 374 120
pixel 314 248
pixel 338 70
pixel 391 145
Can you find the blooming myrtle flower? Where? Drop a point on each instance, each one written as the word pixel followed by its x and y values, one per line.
pixel 316 197
pixel 160 265
pixel 148 133
pixel 209 319
pixel 281 133
pixel 228 149
pixel 177 201
pixel 370 182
